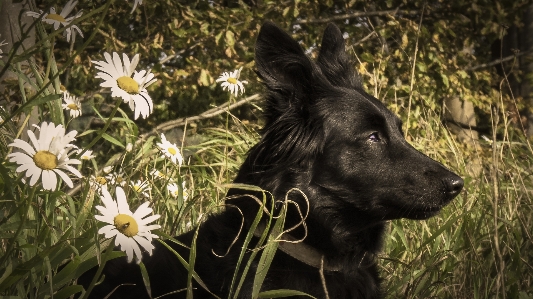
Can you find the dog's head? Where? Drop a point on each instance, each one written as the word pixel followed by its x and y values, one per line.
pixel 327 136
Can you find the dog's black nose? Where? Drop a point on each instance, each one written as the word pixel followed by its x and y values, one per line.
pixel 453 185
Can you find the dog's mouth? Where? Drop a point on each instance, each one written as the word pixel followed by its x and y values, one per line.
pixel 414 212
pixel 422 213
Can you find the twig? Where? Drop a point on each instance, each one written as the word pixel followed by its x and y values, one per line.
pixel 207 114
pixel 498 61
pixel 495 118
pixel 365 38
pixel 322 278
pixel 357 15
pixel 500 280
pixel 413 69
pixel 112 38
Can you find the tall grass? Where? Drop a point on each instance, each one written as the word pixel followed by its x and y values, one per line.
pixel 480 246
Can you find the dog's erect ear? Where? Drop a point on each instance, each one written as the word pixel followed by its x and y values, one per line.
pixel 334 61
pixel 293 85
pixel 281 63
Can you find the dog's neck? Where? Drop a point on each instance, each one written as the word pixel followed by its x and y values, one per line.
pixel 300 251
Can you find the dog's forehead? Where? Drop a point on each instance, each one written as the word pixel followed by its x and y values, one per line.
pixel 353 107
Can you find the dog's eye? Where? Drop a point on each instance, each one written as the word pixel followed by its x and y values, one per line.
pixel 374 137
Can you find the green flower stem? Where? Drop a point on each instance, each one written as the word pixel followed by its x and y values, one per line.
pixel 102 131
pixel 105 258
pixel 56 109
pixel 23 219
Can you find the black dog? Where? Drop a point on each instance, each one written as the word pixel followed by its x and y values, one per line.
pixel 338 145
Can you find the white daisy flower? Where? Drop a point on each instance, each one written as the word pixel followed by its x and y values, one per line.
pixel 129 229
pixel 117 178
pixel 158 174
pixel 98 182
pixel 135 4
pixel 231 81
pixel 118 76
pixel 49 156
pixel 173 189
pixel 108 169
pixel 72 104
pixel 170 150
pixel 88 155
pixel 140 187
pixel 60 19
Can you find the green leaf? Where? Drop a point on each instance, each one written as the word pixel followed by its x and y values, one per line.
pixel 66 273
pixel 367 57
pixel 230 38
pixel 443 227
pixel 23 269
pixel 184 263
pixel 68 291
pixel 146 279
pixel 445 80
pixel 281 294
pixel 204 78
pixel 247 240
pixel 268 253
pixel 112 140
pixel 37 102
pixel 86 133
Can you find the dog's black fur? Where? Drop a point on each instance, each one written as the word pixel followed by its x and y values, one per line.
pixel 337 144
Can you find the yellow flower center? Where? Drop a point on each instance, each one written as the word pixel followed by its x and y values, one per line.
pixel 55 17
pixel 232 80
pixel 119 179
pixel 126 225
pixel 45 160
pixel 128 85
pixel 171 150
pixel 101 180
pixel 176 193
pixel 72 106
pixel 137 188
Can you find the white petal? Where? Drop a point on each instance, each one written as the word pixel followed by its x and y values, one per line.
pixel 49 180
pixel 122 203
pixel 118 64
pixel 34 140
pixel 137 250
pixel 35 173
pixel 133 64
pixel 127 64
pixel 24 146
pixel 21 158
pixel 138 77
pixel 65 177
pixel 142 211
pixel 109 203
pixel 147 245
pixel 25 167
pixel 126 245
pixel 104 218
pixel 68 8
pixel 108 230
pixel 71 169
pixel 149 219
